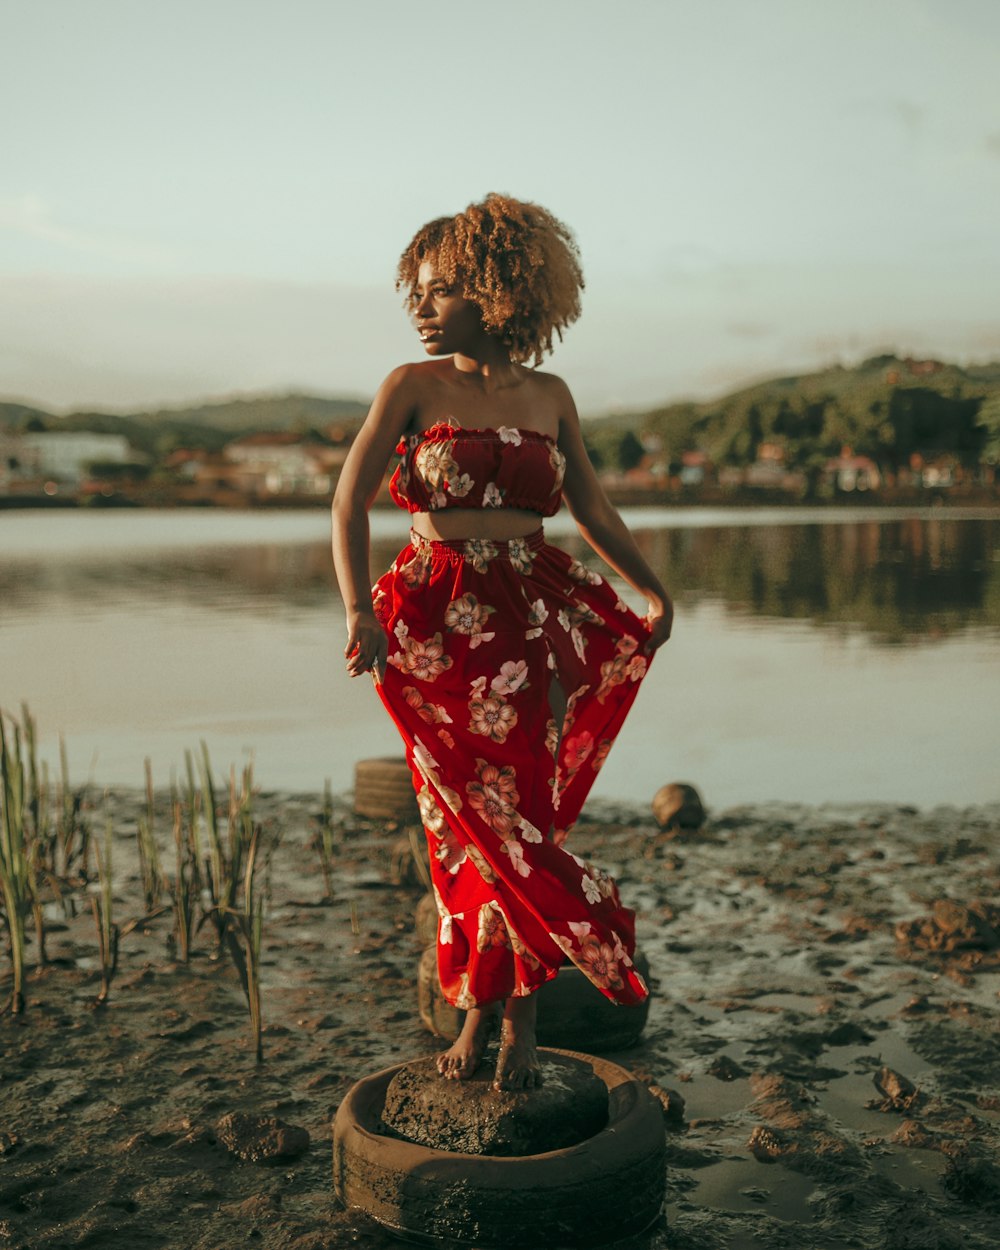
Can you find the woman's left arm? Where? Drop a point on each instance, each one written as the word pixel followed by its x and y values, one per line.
pixel 600 524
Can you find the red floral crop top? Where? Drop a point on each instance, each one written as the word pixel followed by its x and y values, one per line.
pixel 448 466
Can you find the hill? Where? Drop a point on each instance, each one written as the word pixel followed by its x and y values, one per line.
pixel 208 425
pixel 886 408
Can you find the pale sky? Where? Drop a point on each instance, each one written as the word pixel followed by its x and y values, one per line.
pixel 209 196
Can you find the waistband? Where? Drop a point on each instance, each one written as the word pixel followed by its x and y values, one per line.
pixel 478 548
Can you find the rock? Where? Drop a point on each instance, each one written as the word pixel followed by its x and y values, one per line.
pixel 469 1117
pixel 766 1145
pixel 678 806
pixel 897 1092
pixel 913 1134
pixel 953 926
pixel 671 1102
pixel 261 1139
pixel 725 1069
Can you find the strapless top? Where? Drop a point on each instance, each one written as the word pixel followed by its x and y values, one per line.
pixel 448 466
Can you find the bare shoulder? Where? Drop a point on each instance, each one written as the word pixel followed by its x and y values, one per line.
pixel 552 396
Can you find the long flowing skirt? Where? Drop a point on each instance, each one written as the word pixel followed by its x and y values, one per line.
pixel 479 631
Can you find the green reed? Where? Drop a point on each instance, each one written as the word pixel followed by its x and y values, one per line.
pixel 102 903
pixel 15 877
pixel 184 888
pixel 67 851
pixel 244 936
pixel 149 859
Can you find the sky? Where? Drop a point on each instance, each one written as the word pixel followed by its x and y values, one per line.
pixel 209 197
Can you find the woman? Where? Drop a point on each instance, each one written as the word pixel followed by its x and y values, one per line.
pixel 507 666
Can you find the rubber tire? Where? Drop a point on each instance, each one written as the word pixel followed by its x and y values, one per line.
pixel 425 920
pixel 383 790
pixel 604 1189
pixel 571 1011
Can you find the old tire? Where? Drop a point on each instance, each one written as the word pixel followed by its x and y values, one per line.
pixel 383 790
pixel 609 1187
pixel 425 921
pixel 571 1012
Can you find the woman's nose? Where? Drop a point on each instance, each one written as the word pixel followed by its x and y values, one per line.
pixel 424 304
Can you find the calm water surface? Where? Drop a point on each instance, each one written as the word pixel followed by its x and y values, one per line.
pixel 818 655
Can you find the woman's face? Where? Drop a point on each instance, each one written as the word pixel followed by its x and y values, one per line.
pixel 446 321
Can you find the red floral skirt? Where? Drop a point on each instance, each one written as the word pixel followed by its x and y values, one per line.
pixel 478 631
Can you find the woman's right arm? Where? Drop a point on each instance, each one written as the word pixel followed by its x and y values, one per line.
pixel 390 414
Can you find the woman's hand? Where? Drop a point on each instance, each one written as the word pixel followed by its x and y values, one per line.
pixel 659 620
pixel 366 645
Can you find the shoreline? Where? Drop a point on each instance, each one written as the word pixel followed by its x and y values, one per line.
pixel 797 951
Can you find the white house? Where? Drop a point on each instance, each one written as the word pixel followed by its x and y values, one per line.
pixel 67 455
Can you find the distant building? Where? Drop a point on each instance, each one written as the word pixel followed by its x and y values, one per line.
pixel 850 472
pixel 66 456
pixel 284 464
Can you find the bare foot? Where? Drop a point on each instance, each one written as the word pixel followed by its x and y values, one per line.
pixel 517 1063
pixel 462 1058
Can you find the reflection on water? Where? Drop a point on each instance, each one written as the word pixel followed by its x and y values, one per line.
pixel 898 580
pixel 137 635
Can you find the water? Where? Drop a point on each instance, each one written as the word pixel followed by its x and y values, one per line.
pixel 818 655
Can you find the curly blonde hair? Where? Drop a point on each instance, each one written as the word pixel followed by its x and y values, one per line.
pixel 515 260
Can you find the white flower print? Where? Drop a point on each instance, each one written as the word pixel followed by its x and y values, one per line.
pixel 437 501
pixel 579 642
pixel 516 853
pixel 520 555
pixel 466 615
pixel 528 831
pixel 460 486
pixel 580 573
pixel 580 928
pixel 510 435
pixel 479 552
pixel 538 614
pixel 477 687
pixel 593 894
pixel 558 462
pixel 512 676
pixel 492 497
pixel 444 931
pixel 425 762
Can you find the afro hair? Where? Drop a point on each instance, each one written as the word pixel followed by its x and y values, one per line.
pixel 512 258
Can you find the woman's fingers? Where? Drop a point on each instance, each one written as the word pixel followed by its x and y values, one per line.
pixel 366 650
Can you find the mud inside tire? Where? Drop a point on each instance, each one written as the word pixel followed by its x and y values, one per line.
pixel 606 1188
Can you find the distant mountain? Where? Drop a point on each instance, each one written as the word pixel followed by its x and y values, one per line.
pixel 209 424
pixel 886 408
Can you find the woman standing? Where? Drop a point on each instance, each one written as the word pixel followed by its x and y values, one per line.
pixel 507 666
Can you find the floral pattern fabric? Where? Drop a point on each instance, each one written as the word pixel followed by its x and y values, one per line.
pixel 449 466
pixel 478 631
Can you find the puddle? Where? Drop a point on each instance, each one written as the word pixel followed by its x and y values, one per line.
pixel 802 1003
pixel 844 1099
pixel 746 1185
pixel 914 1169
pixel 708 1098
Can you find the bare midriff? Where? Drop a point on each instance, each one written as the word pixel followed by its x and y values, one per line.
pixel 459 523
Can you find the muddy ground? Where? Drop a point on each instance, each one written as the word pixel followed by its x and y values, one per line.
pixel 826 1005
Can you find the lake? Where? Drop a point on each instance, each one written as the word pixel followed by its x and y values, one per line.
pixel 819 655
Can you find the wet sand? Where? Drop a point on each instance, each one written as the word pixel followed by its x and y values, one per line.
pixel 824 1041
